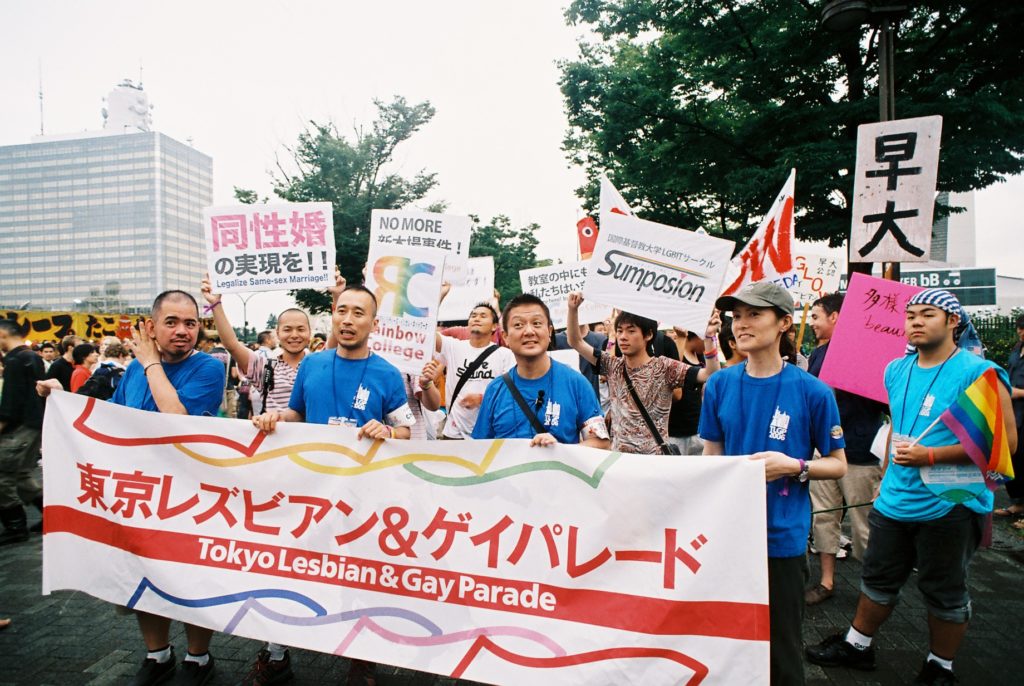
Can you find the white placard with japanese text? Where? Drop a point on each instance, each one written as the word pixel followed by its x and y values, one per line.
pixel 817 275
pixel 657 271
pixel 445 233
pixel 554 284
pixel 894 190
pixel 269 247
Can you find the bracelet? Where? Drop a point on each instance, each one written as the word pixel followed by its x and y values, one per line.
pixel 391 431
pixel 427 385
pixel 931 457
pixel 145 369
pixel 711 353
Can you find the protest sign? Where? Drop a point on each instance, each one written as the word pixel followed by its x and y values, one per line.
pixel 554 284
pixel 477 287
pixel 818 275
pixel 657 271
pixel 443 556
pixel 443 233
pixel 894 190
pixel 407 287
pixel 270 247
pixel 768 255
pixel 868 336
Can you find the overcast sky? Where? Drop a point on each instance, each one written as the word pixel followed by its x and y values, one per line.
pixel 241 79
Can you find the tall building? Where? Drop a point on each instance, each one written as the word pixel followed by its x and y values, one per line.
pixel 102 220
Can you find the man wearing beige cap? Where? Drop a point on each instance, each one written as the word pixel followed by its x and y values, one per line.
pixel 779 414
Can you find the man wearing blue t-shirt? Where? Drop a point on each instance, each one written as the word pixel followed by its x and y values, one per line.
pixel 780 414
pixel 169 375
pixel 347 386
pixel 916 523
pixel 560 398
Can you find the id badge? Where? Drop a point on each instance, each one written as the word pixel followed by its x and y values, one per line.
pixel 340 421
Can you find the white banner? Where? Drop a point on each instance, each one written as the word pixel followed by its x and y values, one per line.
pixel 768 255
pixel 395 230
pixel 894 190
pixel 407 286
pixel 269 247
pixel 554 284
pixel 657 271
pixel 449 556
pixel 476 287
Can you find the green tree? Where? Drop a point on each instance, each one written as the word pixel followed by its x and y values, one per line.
pixel 697 109
pixel 272 322
pixel 353 174
pixel 512 249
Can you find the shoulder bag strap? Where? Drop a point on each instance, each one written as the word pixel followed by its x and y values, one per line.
pixel 643 411
pixel 473 366
pixel 532 416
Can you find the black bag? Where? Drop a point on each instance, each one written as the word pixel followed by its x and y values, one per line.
pixel 530 415
pixel 470 370
pixel 666 448
pixel 103 382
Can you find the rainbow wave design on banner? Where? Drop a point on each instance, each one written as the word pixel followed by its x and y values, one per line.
pixel 976 418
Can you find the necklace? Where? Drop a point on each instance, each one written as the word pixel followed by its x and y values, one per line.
pixel 906 390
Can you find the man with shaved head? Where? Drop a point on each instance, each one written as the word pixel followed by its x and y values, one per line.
pixel 169 375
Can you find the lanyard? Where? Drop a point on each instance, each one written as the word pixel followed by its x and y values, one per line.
pixel 334 384
pixel 906 391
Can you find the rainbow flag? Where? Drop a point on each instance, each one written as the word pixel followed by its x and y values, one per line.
pixel 976 418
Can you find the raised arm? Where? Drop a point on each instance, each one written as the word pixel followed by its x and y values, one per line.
pixel 335 293
pixel 446 288
pixel 430 396
pixel 711 348
pixel 572 330
pixel 228 339
pixel 143 344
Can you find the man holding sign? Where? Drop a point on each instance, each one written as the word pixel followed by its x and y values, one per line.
pixel 930 509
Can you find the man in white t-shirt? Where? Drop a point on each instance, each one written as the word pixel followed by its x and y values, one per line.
pixel 459 356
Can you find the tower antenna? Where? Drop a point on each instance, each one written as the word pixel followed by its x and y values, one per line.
pixel 40 96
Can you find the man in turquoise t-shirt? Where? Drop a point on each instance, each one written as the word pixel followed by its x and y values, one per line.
pixel 913 523
pixel 778 413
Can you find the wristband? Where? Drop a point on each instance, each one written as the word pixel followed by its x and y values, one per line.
pixel 805 471
pixel 391 431
pixel 931 457
pixel 427 385
pixel 212 306
pixel 711 353
pixel 145 370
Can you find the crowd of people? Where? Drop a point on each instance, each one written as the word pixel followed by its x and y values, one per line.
pixel 739 387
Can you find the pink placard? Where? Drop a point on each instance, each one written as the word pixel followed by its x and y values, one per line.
pixel 868 336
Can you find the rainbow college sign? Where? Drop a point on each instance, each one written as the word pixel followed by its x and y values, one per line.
pixel 444 556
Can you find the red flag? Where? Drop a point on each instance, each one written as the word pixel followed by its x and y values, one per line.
pixel 586 230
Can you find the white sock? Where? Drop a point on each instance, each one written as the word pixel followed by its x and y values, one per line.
pixel 857 639
pixel 941 662
pixel 276 651
pixel 201 660
pixel 161 656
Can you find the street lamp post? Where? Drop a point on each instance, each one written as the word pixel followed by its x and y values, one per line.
pixel 846 15
pixel 245 312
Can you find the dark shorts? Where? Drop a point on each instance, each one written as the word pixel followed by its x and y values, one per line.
pixel 941 549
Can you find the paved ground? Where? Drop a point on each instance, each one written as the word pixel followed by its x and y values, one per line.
pixel 67 639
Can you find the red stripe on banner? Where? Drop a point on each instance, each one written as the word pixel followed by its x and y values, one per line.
pixel 622 611
pixel 246 450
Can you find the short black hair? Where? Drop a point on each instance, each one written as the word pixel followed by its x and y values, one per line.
pixel 646 326
pixel 490 308
pixel 1020 322
pixel 359 288
pixel 173 295
pixel 726 335
pixel 47 344
pixel 10 327
pixel 831 303
pixel 522 300
pixel 82 351
pixel 263 336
